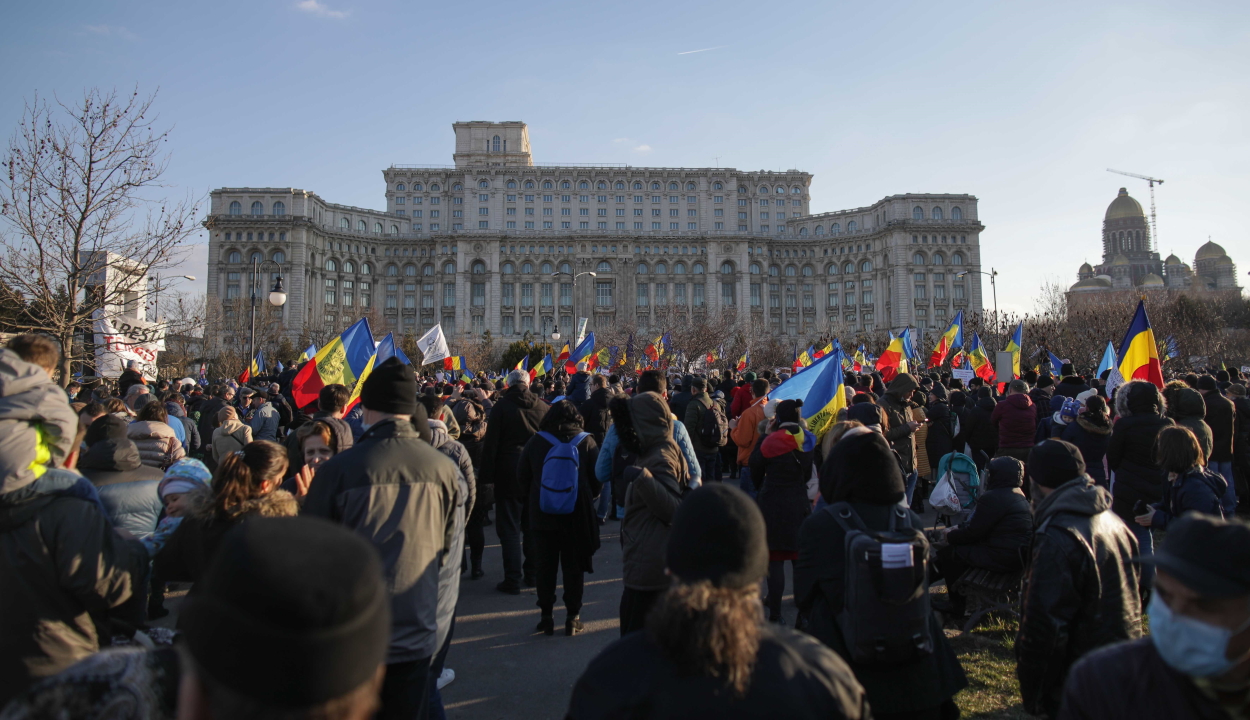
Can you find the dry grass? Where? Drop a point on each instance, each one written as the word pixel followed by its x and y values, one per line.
pixel 988 660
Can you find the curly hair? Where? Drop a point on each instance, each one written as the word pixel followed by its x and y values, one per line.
pixel 709 631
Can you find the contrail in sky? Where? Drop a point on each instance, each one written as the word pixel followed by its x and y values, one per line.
pixel 689 52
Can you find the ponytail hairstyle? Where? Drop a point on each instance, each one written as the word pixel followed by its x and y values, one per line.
pixel 709 631
pixel 241 476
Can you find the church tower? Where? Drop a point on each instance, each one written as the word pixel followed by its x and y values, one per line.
pixel 1126 237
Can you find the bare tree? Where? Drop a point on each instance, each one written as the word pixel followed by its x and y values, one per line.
pixel 83 225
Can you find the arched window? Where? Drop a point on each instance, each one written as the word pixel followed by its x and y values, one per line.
pixel 416 187
pixel 956 213
pixel 679 269
pixel 495 144
pixel 674 186
pixel 546 269
pixel 774 270
pixel 362 226
pixel 717 186
pixel 835 229
pixel 583 185
pixel 366 269
pixel 808 271
pixel 820 229
pixel 755 268
pixel 937 213
pixel 483 184
pixel 400 187
pixel 690 186
pixel 865 266
pixel 449 268
pixel 791 271
pixel 938 259
pixel 781 190
pixel 348 266
pixel 427 270
pixel 566 185
pixel 917 213
pixel 796 190
pixel 637 186
pixel 547 185
pixel 410 271
pixel 529 184
pixel 832 269
pixel 852 226
pixel 566 268
pixel 655 186
pixel 345 224
pixel 256 257
pixel 279 208
pixel 478 268
pixel 604 266
pixel 394 229
pixel 508 268
pixel 602 185
pixel 697 269
pixel 661 269
pixel 726 268
pixel 434 187
pixel 763 189
pixel 917 259
pixel 957 259
pixel 512 184
pixel 331 265
pixel 803 232
pixel 236 208
pixel 234 257
pixel 619 185
pixel 527 268
pixel 258 208
pixel 642 268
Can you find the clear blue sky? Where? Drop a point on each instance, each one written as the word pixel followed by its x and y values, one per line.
pixel 1022 105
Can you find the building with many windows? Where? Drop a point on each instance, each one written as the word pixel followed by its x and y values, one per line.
pixel 496 242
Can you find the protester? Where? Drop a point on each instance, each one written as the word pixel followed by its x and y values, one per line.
pixel 565 542
pixel 1016 421
pixel 331 404
pixel 62 565
pixel 175 408
pixel 1241 444
pixel 125 485
pixel 400 494
pixel 158 445
pixel 982 434
pixel 1138 479
pixel 1191 485
pixel 470 412
pixel 745 433
pixel 513 421
pixel 222 396
pixel 997 536
pixel 1221 417
pixel 1082 589
pixel 651 488
pixel 1091 434
pixel 230 436
pixel 705 652
pixel 706 423
pixel 1187 407
pixel 579 385
pixel 1196 660
pixel 264 417
pixel 945 434
pixel 781 465
pixel 1072 384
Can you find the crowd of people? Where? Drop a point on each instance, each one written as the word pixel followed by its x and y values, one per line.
pixel 325 546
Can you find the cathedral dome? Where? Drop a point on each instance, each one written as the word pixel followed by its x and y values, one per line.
pixel 1086 268
pixel 1173 260
pixel 1210 251
pixel 1119 260
pixel 1092 284
pixel 1151 280
pixel 1124 206
pixel 1225 260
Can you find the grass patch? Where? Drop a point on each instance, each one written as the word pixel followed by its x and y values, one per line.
pixel 988 660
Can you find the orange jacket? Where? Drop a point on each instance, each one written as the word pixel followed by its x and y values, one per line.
pixel 747 433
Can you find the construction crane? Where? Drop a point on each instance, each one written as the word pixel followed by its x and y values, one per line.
pixel 1154 227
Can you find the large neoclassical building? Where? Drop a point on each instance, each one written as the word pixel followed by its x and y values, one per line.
pixel 497 242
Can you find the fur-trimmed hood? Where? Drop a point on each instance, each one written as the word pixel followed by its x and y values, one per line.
pixel 278 503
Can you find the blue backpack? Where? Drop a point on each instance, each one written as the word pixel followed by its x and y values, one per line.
pixel 557 489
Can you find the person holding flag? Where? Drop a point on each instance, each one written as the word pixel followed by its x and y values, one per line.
pixel 951 339
pixel 893 361
pixel 342 360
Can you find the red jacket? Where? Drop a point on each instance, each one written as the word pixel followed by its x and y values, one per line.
pixel 741 400
pixel 1016 420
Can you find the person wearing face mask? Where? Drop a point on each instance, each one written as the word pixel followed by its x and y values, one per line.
pixel 1196 661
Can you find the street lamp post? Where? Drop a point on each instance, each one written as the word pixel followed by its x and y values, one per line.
pixel 993 275
pixel 277 296
pixel 156 295
pixel 555 330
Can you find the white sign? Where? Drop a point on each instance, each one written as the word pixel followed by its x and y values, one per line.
pixel 965 374
pixel 122 341
pixel 581 330
pixel 1004 366
pixel 433 346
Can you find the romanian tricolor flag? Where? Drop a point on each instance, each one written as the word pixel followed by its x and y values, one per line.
pixel 524 364
pixel 255 369
pixel 581 353
pixel 951 339
pixel 823 351
pixel 1139 355
pixel 563 357
pixel 860 361
pixel 957 360
pixel 894 360
pixel 715 355
pixel 654 350
pixel 309 353
pixel 385 351
pixel 744 361
pixel 600 359
pixel 1013 347
pixel 455 362
pixel 341 361
pixel 979 361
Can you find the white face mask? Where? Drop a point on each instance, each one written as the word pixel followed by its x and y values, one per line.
pixel 1191 646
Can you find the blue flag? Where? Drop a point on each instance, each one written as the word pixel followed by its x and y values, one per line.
pixel 1056 365
pixel 1109 360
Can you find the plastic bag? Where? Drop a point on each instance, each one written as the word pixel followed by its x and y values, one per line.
pixel 944 496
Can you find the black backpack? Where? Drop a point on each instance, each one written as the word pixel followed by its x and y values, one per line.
pixel 885 617
pixel 714 430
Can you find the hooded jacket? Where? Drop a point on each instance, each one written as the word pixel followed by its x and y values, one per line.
pixel 595 414
pixel 996 537
pixel 62 566
pixel 1071 386
pixel 513 421
pixel 449 569
pixel 264 422
pixel 178 414
pixel 981 433
pixel 896 402
pixel 655 485
pixel 1092 435
pixel 747 433
pixel 157 443
pixel 126 486
pixel 945 433
pixel 579 388
pixel 230 437
pixel 1130 453
pixel 401 494
pixel 1081 592
pixel 208 418
pixel 578 532
pixel 1200 490
pixel 1016 420
pixel 781 465
pixel 1221 418
pixel 1189 410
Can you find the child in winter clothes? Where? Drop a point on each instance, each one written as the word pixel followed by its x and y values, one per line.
pixel 186 488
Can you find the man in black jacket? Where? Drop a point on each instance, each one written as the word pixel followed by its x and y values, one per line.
pixel 1081 591
pixel 1072 384
pixel 513 421
pixel 1221 416
pixel 1196 662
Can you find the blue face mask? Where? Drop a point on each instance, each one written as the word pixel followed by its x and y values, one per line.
pixel 1190 646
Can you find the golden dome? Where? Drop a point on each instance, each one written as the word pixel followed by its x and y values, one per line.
pixel 1124 206
pixel 1151 280
pixel 1210 251
pixel 1091 284
pixel 1119 260
pixel 1226 260
pixel 1086 268
pixel 1173 260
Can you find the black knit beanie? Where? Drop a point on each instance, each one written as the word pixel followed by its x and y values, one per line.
pixel 390 388
pixel 105 427
pixel 1055 462
pixel 788 411
pixel 292 612
pixel 718 535
pixel 864 469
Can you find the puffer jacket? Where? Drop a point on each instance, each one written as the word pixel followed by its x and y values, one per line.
pixel 1016 420
pixel 1189 410
pixel 997 536
pixel 781 466
pixel 513 421
pixel 1092 435
pixel 1221 417
pixel 264 422
pixel 1199 489
pixel 579 388
pixel 401 494
pixel 981 433
pixel 1081 592
pixel 230 437
pixel 35 421
pixel 896 402
pixel 655 484
pixel 157 443
pixel 126 486
pixel 193 545
pixel 1130 454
